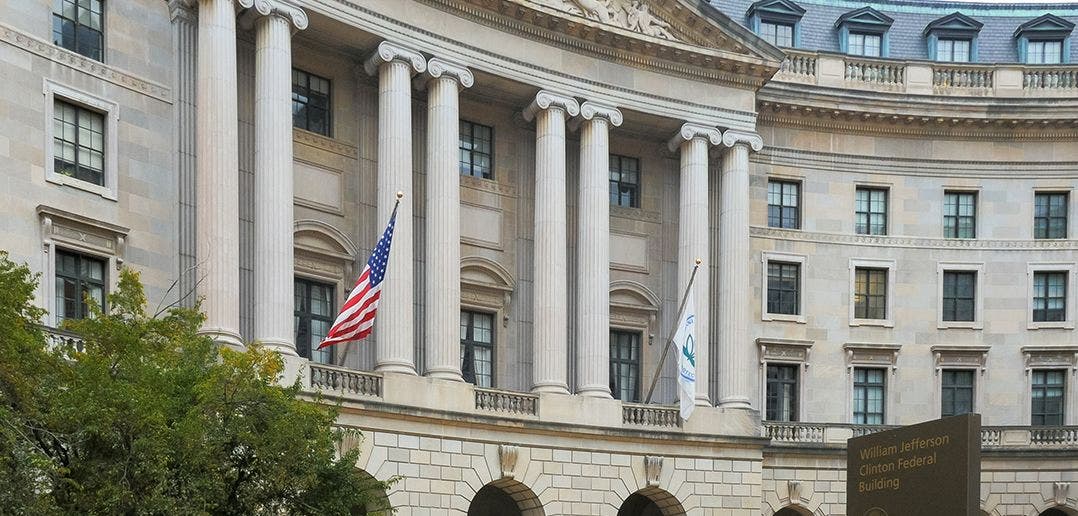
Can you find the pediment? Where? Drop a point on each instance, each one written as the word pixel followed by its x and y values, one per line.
pixel 1048 24
pixel 865 17
pixel 954 22
pixel 684 37
pixel 777 8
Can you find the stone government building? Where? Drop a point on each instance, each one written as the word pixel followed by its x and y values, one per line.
pixel 882 194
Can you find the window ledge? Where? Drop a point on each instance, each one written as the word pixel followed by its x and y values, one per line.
pixel 882 323
pixel 1054 325
pixel 960 325
pixel 799 319
pixel 63 180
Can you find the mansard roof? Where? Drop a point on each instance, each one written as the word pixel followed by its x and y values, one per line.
pixel 954 22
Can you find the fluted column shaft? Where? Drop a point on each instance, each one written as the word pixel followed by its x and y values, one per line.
pixel 550 320
pixel 217 177
pixel 443 219
pixel 395 322
pixel 274 268
pixel 736 377
pixel 593 251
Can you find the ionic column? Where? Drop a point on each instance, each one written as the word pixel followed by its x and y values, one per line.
pixel 593 250
pixel 735 348
pixel 217 177
pixel 395 65
pixel 693 141
pixel 550 320
pixel 443 218
pixel 274 269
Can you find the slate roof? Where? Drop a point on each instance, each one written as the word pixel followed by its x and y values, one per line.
pixel 995 42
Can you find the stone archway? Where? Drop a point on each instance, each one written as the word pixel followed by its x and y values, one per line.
pixel 377 500
pixel 1058 511
pixel 505 497
pixel 793 510
pixel 651 501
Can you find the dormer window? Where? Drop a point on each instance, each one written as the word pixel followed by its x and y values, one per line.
pixel 777 22
pixel 864 32
pixel 1044 40
pixel 953 38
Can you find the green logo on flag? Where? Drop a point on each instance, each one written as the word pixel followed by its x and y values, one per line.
pixel 689 350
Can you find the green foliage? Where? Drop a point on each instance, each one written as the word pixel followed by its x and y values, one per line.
pixel 148 417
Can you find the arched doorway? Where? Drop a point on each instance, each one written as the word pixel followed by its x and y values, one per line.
pixel 792 511
pixel 1058 511
pixel 377 501
pixel 505 497
pixel 651 501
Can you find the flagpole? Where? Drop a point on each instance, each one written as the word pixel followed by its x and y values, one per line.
pixel 673 331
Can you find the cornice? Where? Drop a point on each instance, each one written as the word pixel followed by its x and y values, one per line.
pixel 545 99
pixel 912 242
pixel 925 167
pixel 439 67
pixel 62 56
pixel 388 52
pixel 690 131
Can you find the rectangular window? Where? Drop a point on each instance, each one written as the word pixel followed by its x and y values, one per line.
pixel 868 396
pixel 310 102
pixel 778 34
pixel 78 278
pixel 476 150
pixel 953 50
pixel 624 181
pixel 867 45
pixel 1050 215
pixel 78 142
pixel 870 294
pixel 313 317
pixel 959 295
pixel 871 211
pixel 959 215
pixel 477 348
pixel 782 204
pixel 1049 296
pixel 1044 52
pixel 957 393
pixel 77 25
pixel 1048 395
pixel 783 288
pixel 781 392
pixel 625 365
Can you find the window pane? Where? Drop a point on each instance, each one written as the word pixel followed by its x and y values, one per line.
pixel 476 151
pixel 310 102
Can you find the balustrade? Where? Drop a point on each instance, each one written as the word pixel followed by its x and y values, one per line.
pixel 962 77
pixel 1050 78
pixel 345 380
pixel 506 401
pixel 650 415
pixel 874 72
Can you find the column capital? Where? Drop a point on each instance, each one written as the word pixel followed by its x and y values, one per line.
pixel 388 52
pixel 545 99
pixel 690 131
pixel 590 110
pixel 185 10
pixel 732 137
pixel 440 67
pixel 294 15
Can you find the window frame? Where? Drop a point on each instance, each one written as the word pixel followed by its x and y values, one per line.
pixel 889 307
pixel 1064 387
pixel 469 341
pixel 460 142
pixel 638 363
pixel 972 389
pixel 952 40
pixel 79 280
pixel 883 390
pixel 886 209
pixel 795 414
pixel 329 101
pixel 864 35
pixel 1043 42
pixel 636 196
pixel 794 259
pixel 102 32
pixel 797 185
pixel 976 268
pixel 957 216
pixel 764 22
pixel 54 92
pixel 1070 286
pixel 308 316
pixel 1066 194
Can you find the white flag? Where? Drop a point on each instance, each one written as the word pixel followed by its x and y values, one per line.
pixel 685 346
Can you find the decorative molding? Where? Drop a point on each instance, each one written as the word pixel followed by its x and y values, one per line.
pixel 793 489
pixel 864 164
pixel 961 356
pixel 184 10
pixel 491 286
pixel 692 130
pixel 62 56
pixel 438 67
pixel 871 354
pixel 910 242
pixel 590 110
pixel 634 16
pixel 388 52
pixel 81 232
pixel 653 468
pixel 488 185
pixel 296 16
pixel 1051 356
pixel 636 214
pixel 507 459
pixel 324 143
pixel 545 98
pixel 1060 492
pixel 732 137
pixel 784 350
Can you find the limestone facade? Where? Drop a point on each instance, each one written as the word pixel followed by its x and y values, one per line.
pixel 208 185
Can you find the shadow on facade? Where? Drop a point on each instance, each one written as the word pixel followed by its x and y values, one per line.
pixel 379 502
pixel 651 501
pixel 505 497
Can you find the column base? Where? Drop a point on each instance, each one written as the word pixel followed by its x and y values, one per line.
pixel 550 388
pixel 223 337
pixel 702 400
pixel 281 346
pixel 735 402
pixel 595 392
pixel 452 375
pixel 395 367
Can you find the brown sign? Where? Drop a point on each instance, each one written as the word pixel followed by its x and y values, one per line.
pixel 928 469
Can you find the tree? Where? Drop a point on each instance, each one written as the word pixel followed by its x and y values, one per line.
pixel 148 417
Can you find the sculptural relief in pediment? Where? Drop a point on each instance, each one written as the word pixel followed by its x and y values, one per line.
pixel 634 15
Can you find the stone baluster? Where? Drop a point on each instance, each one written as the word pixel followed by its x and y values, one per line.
pixel 274 268
pixel 693 242
pixel 736 365
pixel 443 218
pixel 550 320
pixel 593 250
pixel 395 66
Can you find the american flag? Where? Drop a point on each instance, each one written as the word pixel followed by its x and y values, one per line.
pixel 356 319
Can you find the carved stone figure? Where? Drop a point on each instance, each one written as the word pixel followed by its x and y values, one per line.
pixel 634 15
